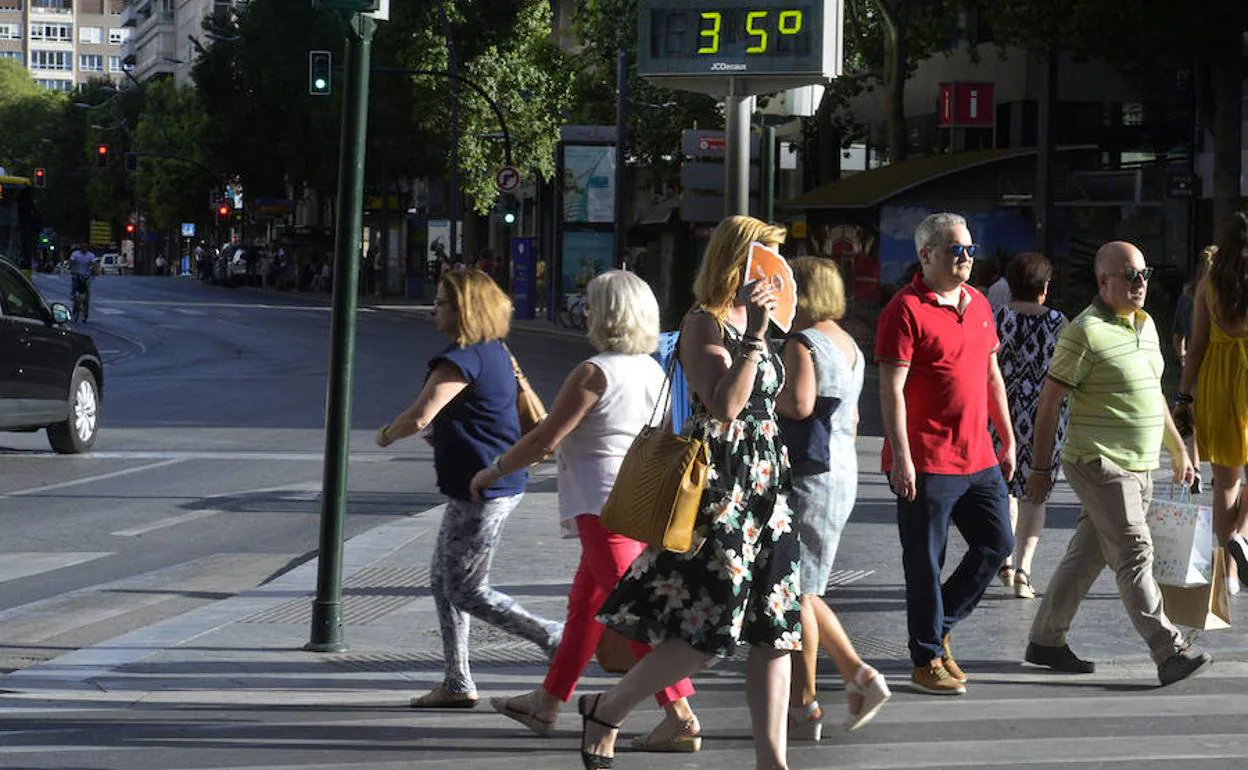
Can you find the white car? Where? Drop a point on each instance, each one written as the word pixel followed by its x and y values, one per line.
pixel 110 264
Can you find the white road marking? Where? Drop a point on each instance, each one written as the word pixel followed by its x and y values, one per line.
pixel 108 311
pixel 20 564
pixel 172 521
pixel 188 311
pixel 303 491
pixel 91 479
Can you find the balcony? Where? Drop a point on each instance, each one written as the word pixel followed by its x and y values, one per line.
pixel 129 15
pixel 53 9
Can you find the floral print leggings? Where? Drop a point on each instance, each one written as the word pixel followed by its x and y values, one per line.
pixel 460 581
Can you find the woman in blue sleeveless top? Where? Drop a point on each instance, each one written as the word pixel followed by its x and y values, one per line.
pixel 469 399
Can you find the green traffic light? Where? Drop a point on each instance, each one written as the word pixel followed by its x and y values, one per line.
pixel 320 84
pixel 509 218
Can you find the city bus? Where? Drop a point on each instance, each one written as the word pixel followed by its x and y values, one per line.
pixel 17 222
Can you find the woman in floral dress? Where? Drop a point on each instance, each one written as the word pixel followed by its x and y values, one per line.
pixel 740 581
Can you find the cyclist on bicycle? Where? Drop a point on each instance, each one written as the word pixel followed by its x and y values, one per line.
pixel 83 264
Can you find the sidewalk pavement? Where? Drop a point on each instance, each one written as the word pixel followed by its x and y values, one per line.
pixel 245 652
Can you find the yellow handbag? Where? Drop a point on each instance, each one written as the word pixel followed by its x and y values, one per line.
pixel 658 491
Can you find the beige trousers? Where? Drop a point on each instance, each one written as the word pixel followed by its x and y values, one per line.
pixel 1111 531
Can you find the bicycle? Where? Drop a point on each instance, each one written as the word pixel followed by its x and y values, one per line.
pixel 80 298
pixel 574 315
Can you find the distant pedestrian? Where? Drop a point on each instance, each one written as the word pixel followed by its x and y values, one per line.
pixel 1028 331
pixel 1215 386
pixel 602 406
pixel 822 362
pixel 936 346
pixel 1108 361
pixel 740 583
pixel 469 403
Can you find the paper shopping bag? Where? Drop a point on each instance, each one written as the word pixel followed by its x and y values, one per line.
pixel 1182 535
pixel 1205 607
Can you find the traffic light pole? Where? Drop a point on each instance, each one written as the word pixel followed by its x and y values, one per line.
pixel 349 222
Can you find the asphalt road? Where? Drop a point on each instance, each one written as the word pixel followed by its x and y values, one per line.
pixel 206 477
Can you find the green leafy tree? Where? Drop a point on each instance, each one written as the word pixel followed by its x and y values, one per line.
pixel 655 115
pixel 27 113
pixel 173 178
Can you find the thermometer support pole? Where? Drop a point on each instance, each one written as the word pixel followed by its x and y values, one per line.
pixel 737 150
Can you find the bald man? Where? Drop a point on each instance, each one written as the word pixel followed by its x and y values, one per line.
pixel 1108 361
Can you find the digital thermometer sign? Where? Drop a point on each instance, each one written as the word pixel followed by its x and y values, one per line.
pixel 784 43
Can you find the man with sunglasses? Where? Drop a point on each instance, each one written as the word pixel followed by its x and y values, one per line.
pixel 1108 361
pixel 936 345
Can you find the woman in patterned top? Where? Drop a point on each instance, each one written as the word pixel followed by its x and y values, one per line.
pixel 740 581
pixel 1028 332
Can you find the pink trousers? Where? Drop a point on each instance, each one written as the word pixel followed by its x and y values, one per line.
pixel 605 557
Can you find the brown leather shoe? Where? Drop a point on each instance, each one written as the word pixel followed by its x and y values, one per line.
pixel 935 679
pixel 950 664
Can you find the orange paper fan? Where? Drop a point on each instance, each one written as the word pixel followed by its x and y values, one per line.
pixel 764 264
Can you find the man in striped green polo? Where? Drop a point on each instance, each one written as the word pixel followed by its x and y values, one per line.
pixel 1108 360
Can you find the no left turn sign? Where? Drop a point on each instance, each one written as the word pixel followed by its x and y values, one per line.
pixel 507 179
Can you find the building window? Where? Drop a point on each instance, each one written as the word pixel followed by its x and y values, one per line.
pixel 56 85
pixel 52 5
pixel 51 60
pixel 10 31
pixel 114 64
pixel 93 35
pixel 118 35
pixel 14 55
pixel 91 62
pixel 56 33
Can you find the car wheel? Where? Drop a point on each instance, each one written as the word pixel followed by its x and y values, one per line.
pixel 80 429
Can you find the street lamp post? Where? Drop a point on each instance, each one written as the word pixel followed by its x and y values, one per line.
pixel 326 631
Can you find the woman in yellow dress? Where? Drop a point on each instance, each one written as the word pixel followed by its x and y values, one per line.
pixel 1217 364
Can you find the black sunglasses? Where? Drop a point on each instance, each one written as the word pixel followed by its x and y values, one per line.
pixel 1131 274
pixel 958 249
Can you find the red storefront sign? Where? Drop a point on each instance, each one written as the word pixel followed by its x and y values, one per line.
pixel 967 105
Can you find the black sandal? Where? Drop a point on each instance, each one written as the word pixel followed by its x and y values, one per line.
pixel 592 761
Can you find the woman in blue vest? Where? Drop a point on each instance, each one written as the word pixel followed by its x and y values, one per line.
pixel 469 401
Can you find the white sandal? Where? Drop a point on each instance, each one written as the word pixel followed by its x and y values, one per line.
pixel 875 694
pixel 806 722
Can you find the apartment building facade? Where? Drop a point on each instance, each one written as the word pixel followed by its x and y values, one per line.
pixel 64 43
pixel 167 36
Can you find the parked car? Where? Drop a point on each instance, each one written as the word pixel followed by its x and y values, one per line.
pixel 51 376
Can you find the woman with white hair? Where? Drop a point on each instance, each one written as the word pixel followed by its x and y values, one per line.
pixel 600 409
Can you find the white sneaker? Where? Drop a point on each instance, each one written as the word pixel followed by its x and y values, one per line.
pixel 1232 586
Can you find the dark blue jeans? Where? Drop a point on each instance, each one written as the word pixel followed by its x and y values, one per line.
pixel 977 506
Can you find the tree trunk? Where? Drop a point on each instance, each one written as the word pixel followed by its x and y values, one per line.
pixel 1224 119
pixel 827 145
pixel 894 80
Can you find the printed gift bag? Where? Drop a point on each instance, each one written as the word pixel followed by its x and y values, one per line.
pixel 1182 541
pixel 1206 607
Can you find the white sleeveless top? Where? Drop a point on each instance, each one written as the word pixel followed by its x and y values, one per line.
pixel 590 456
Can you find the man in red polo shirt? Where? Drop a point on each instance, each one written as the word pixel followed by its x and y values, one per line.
pixel 936 346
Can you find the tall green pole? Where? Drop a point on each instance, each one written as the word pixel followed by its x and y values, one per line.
pixel 348 225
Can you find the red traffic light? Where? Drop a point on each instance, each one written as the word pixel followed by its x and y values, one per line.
pixel 40 177
pixel 102 149
pixel 101 155
pixel 223 210
pixel 129 228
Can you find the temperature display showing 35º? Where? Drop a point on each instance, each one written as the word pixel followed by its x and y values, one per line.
pixel 749 38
